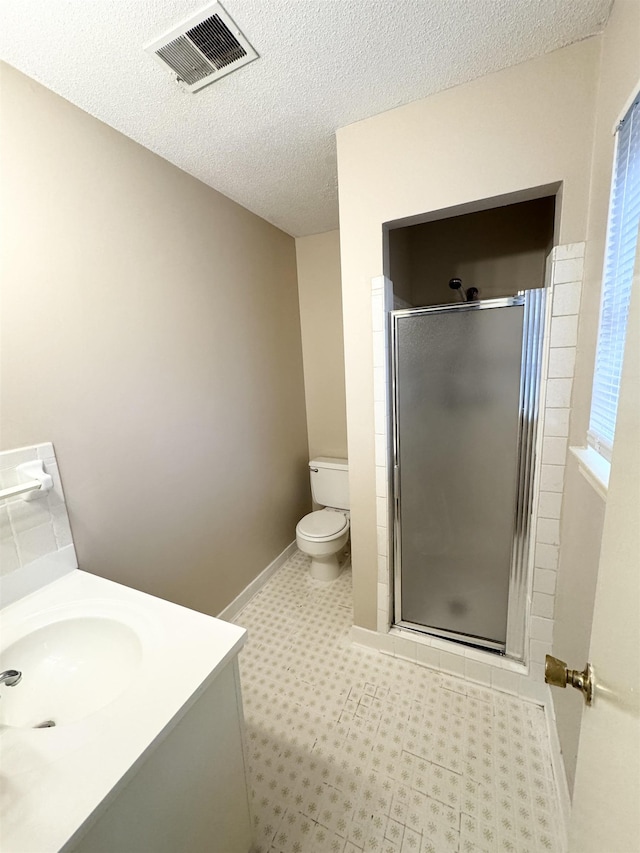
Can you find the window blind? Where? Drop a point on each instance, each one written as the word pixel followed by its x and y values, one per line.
pixel 622 239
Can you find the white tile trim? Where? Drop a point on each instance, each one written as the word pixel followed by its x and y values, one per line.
pixel 381 303
pixel 36 533
pixel 37 574
pixel 243 598
pixel 475 666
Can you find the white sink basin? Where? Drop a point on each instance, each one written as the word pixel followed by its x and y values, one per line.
pixel 116 670
pixel 70 669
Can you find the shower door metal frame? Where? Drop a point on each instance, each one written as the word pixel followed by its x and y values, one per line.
pixel 529 394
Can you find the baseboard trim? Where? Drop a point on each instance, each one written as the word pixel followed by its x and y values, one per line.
pixel 557 763
pixel 231 610
pixel 365 638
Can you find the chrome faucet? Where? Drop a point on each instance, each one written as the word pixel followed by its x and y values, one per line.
pixel 10 677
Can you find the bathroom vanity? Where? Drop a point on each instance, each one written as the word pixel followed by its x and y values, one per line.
pixel 146 752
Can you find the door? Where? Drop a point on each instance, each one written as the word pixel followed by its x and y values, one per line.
pixel 606 802
pixel 461 375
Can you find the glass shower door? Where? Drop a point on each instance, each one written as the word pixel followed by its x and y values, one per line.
pixel 458 441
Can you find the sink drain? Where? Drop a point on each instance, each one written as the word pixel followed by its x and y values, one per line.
pixel 47 724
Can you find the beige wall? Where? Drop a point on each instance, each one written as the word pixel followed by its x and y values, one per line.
pixel 524 127
pixel 500 251
pixel 320 295
pixel 150 329
pixel 583 510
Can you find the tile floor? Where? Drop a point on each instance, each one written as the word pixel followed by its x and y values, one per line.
pixel 352 750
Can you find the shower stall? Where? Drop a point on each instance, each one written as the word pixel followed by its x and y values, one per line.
pixel 465 383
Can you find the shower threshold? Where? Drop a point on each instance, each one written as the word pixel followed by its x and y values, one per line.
pixel 480 643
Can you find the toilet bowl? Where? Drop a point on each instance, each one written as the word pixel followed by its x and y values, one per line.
pixel 322 535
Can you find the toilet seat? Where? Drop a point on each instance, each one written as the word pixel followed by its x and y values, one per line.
pixel 322 525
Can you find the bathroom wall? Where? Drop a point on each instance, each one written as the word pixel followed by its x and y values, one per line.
pixel 500 251
pixel 320 295
pixel 525 127
pixel 150 330
pixel 583 508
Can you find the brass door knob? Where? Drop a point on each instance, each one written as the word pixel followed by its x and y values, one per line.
pixel 557 674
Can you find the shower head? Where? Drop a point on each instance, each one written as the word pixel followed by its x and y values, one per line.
pixel 456 284
pixel 469 295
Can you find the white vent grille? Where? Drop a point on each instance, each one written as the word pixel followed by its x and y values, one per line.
pixel 203 48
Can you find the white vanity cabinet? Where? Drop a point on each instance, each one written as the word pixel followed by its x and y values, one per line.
pixel 145 751
pixel 189 794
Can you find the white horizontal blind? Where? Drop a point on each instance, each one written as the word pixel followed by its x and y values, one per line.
pixel 622 239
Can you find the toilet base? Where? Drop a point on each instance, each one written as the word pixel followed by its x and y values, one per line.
pixel 325 568
pixel 327 558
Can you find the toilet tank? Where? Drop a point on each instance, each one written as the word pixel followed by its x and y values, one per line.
pixel 330 481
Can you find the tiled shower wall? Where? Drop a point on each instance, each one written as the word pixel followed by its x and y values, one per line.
pixel 565 277
pixel 564 280
pixel 35 538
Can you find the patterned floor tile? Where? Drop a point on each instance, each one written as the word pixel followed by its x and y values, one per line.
pixel 352 751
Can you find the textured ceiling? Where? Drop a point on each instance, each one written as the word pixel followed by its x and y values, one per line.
pixel 265 135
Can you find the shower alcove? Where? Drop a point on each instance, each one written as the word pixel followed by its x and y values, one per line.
pixel 465 320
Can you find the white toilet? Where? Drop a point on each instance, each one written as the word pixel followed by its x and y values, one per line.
pixel 324 533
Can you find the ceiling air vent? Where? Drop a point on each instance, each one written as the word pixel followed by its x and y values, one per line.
pixel 203 48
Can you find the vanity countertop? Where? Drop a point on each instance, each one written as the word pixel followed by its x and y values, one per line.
pixel 57 781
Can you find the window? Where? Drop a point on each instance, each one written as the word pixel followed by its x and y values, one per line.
pixel 622 238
